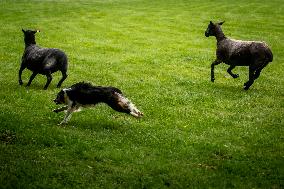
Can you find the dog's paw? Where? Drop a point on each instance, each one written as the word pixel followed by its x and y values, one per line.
pixel 137 114
pixel 62 123
pixel 55 110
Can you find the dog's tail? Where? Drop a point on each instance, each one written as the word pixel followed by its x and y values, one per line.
pixel 128 105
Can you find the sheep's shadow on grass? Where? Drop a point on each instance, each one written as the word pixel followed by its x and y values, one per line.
pixel 234 92
pixel 38 86
pixel 227 88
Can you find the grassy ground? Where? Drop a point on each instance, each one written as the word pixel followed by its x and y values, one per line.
pixel 195 134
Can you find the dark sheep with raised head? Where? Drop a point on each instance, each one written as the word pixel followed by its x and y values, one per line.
pixel 254 54
pixel 43 61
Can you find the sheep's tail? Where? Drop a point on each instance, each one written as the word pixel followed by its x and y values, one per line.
pixel 270 55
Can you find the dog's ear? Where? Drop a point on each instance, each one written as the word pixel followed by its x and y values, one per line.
pixel 70 93
pixel 221 23
pixel 23 30
pixel 211 23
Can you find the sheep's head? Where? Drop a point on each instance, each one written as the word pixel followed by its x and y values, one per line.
pixel 213 29
pixel 30 36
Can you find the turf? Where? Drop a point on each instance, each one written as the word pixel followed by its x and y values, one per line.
pixel 194 133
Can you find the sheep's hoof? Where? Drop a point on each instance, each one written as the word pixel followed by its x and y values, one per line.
pixel 246 87
pixel 213 79
pixel 21 83
pixel 235 76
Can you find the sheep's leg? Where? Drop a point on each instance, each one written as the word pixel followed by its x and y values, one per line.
pixel 49 78
pixel 64 76
pixel 257 72
pixel 216 62
pixel 31 78
pixel 231 73
pixel 254 72
pixel 251 78
pixel 20 74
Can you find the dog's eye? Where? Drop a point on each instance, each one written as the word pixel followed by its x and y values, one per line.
pixel 61 98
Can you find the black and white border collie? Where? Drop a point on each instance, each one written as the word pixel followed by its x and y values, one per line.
pixel 85 94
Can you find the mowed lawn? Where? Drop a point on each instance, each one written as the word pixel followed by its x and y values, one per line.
pixel 194 133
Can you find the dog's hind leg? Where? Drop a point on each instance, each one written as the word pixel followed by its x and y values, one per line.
pixel 125 105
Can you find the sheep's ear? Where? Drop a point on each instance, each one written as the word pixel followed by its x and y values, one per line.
pixel 35 31
pixel 220 23
pixel 23 31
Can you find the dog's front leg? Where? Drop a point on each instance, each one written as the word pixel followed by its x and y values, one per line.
pixel 68 115
pixel 60 109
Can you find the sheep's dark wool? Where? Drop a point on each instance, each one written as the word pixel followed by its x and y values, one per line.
pixel 254 54
pixel 85 94
pixel 43 61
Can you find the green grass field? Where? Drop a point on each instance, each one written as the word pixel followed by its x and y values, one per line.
pixel 194 133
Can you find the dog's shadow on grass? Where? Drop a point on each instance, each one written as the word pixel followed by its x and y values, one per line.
pixel 96 124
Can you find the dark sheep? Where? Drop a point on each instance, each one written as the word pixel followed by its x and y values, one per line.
pixel 254 54
pixel 43 61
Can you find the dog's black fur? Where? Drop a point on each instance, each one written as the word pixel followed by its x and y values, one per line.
pixel 85 94
pixel 43 61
